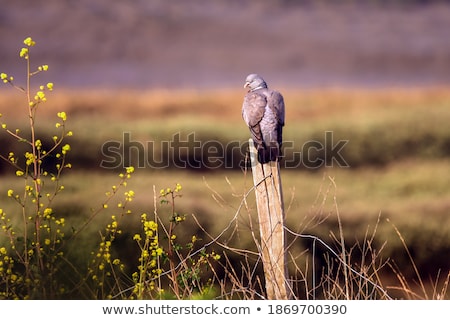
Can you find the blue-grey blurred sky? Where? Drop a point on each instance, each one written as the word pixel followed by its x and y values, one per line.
pixel 216 43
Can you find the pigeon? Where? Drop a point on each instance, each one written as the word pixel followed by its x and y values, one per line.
pixel 263 112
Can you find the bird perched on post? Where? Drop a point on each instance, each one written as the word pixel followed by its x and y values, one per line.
pixel 263 112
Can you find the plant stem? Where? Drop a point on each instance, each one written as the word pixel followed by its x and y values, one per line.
pixel 36 171
pixel 171 253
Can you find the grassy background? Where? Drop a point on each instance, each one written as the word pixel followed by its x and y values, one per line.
pixel 398 151
pixel 381 125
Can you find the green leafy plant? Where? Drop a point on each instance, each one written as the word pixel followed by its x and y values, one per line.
pixel 160 250
pixel 34 259
pixel 31 256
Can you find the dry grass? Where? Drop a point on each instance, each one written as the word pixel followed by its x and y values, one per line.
pixel 301 104
pixel 376 250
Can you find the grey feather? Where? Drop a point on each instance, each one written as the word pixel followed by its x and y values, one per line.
pixel 263 112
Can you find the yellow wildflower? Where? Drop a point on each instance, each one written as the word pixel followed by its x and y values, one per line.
pixel 137 237
pixel 24 53
pixel 129 195
pixel 65 149
pixel 150 225
pixel 48 212
pixel 62 114
pixel 29 42
pixel 38 144
pixel 30 158
pixel 40 96
pixel 4 77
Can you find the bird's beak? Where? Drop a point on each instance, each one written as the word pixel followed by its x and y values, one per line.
pixel 247 84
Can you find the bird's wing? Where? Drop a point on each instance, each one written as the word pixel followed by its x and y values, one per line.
pixel 253 111
pixel 276 103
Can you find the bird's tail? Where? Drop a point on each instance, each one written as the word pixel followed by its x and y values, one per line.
pixel 268 152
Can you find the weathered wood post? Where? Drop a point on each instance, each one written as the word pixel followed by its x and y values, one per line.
pixel 269 203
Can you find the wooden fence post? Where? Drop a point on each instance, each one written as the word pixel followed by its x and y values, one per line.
pixel 269 203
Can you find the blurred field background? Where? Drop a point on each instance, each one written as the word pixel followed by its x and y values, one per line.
pixel 375 73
